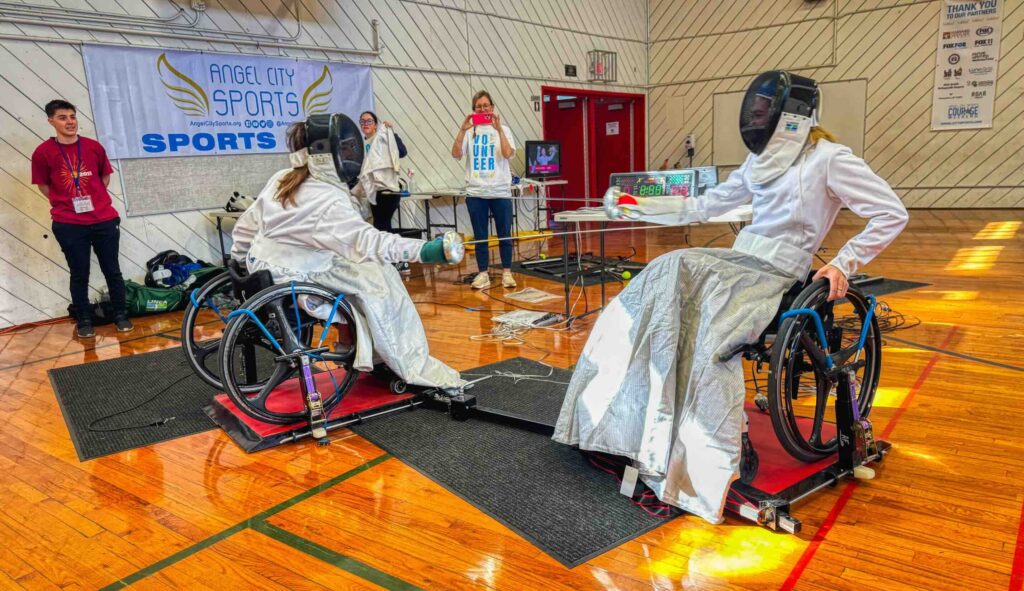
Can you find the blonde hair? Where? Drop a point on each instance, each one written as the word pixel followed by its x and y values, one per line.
pixel 820 133
pixel 289 183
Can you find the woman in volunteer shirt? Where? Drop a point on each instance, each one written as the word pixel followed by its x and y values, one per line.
pixel 488 149
pixel 73 172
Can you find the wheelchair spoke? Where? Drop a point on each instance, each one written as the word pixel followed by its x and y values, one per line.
pixel 820 406
pixel 259 399
pixel 286 329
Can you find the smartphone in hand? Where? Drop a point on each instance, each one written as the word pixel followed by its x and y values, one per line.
pixel 482 119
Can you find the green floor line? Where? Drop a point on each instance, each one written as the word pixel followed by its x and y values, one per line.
pixel 250 522
pixel 345 563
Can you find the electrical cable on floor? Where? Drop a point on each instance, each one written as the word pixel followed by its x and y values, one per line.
pixel 157 423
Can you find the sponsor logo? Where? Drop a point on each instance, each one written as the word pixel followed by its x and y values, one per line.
pixel 952 72
pixel 958 112
pixel 984 42
pixel 192 99
pixel 954 59
pixel 981 56
pixel 977 94
pixel 984 31
pixel 982 71
pixel 957 45
pixel 155 143
pixel 792 126
pixel 981 83
pixel 957 34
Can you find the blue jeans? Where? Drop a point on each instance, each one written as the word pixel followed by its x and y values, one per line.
pixel 502 209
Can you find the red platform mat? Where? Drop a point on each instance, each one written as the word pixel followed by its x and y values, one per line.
pixel 778 470
pixel 367 393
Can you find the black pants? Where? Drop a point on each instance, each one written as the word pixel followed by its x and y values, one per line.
pixel 387 204
pixel 76 241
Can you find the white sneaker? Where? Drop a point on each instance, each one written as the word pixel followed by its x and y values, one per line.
pixel 507 280
pixel 482 280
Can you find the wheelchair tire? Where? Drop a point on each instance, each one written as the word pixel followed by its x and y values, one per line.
pixel 196 353
pixel 789 362
pixel 253 402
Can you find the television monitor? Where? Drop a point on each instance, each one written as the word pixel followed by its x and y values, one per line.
pixel 707 178
pixel 543 159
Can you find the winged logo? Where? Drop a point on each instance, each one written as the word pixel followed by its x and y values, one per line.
pixel 188 96
pixel 316 99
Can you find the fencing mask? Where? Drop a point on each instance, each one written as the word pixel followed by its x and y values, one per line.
pixel 335 149
pixel 776 117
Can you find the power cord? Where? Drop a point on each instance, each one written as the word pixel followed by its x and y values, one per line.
pixel 158 423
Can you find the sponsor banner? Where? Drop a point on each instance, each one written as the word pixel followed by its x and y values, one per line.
pixel 966 64
pixel 152 103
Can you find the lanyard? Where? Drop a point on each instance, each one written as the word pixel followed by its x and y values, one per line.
pixel 76 175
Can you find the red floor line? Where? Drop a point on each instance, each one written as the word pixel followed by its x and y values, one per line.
pixel 1017 575
pixel 917 385
pixel 819 537
pixel 805 559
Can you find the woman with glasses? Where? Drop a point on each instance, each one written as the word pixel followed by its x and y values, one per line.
pixel 488 149
pixel 387 202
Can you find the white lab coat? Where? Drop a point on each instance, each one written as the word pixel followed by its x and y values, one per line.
pixel 649 385
pixel 324 240
pixel 380 165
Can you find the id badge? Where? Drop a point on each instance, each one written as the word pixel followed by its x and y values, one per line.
pixel 82 203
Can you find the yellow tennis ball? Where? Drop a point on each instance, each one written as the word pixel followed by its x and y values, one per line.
pixel 543 256
pixel 626 274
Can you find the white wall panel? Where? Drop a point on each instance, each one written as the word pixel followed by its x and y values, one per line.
pixel 436 53
pixel 700 49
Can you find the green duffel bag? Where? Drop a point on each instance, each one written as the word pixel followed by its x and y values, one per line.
pixel 142 299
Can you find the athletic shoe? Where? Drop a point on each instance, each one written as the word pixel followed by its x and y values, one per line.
pixel 123 324
pixel 85 330
pixel 482 280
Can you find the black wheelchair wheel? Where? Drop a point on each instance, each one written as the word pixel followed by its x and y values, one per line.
pixel 293 331
pixel 201 327
pixel 799 391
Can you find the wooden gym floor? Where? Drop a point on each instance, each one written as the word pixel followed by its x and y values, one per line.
pixel 197 513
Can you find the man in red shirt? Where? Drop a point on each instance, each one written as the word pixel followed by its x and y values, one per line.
pixel 73 172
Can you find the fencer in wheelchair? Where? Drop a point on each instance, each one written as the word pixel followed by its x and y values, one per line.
pixel 311 285
pixel 659 380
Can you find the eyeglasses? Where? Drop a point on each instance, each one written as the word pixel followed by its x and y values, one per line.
pixel 366 122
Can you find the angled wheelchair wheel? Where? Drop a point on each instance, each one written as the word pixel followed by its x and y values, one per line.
pixel 800 395
pixel 287 327
pixel 204 319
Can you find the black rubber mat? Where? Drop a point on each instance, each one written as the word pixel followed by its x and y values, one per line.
pixel 586 270
pixel 544 491
pixel 166 396
pixel 520 388
pixel 887 286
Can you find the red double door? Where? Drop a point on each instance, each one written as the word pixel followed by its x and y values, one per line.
pixel 601 133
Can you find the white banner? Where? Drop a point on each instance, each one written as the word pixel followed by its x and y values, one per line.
pixel 152 103
pixel 966 64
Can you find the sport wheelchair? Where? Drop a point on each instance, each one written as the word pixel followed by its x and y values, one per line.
pixel 271 333
pixel 809 345
pixel 816 351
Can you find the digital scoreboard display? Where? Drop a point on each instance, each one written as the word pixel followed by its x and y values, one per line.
pixel 657 183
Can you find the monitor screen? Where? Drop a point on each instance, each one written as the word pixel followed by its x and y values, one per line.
pixel 543 159
pixel 657 183
pixel 707 178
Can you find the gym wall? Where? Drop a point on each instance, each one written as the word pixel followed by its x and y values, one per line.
pixel 700 50
pixel 436 54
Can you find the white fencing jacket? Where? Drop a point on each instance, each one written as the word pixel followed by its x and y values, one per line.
pixel 797 209
pixel 306 236
pixel 380 165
